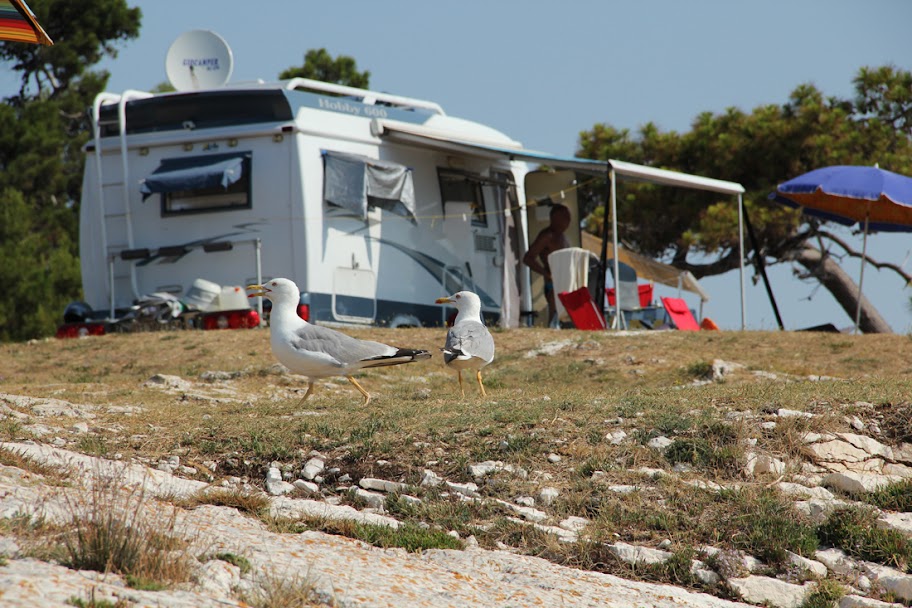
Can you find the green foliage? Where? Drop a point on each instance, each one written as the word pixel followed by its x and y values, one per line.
pixel 38 263
pixel 237 560
pixel 41 158
pixel 408 536
pixel 704 453
pixel 320 65
pixel 91 602
pixel 676 570
pixel 826 595
pixel 759 150
pixel 763 524
pixel 701 370
pixel 893 497
pixel 855 531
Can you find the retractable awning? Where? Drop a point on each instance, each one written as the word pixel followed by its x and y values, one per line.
pixel 442 140
pixel 194 173
pixel 453 142
pixel 614 169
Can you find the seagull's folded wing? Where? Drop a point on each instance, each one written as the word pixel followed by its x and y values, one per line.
pixel 341 348
pixel 472 339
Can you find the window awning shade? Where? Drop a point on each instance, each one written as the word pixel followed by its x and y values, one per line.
pixel 194 173
pixel 356 182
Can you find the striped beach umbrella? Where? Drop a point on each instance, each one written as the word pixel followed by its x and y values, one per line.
pixel 18 24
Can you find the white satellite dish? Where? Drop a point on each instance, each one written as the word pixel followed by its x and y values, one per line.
pixel 199 59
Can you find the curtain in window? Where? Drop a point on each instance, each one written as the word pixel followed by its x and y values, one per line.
pixel 356 182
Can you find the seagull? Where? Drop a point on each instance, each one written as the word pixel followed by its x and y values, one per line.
pixel 319 352
pixel 469 344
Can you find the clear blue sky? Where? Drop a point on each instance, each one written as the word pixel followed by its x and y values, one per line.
pixel 543 71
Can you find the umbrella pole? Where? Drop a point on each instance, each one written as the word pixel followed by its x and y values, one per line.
pixel 864 258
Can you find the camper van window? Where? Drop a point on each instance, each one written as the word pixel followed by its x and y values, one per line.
pixel 209 198
pixel 356 183
pixel 462 187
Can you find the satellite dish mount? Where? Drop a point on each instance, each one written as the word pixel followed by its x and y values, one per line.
pixel 199 59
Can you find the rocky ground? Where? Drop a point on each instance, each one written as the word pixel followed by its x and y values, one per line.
pixel 49 482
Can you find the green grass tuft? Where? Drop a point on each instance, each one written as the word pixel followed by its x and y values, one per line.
pixel 855 531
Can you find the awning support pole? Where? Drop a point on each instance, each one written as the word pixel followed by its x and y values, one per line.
pixel 864 258
pixel 741 260
pixel 257 247
pixel 603 256
pixel 111 279
pixel 614 242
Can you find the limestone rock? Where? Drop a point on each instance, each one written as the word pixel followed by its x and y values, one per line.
pixel 381 485
pixel 760 464
pixel 375 500
pixel 771 591
pixel 816 568
pixel 312 468
pixel 634 555
pixel 869 445
pixel 835 451
pixel 901 522
pixel 801 491
pixel 659 443
pixel 891 580
pixel 857 482
pixel 836 560
pixel 547 496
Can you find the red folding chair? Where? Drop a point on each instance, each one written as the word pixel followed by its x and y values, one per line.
pixel 644 290
pixel 582 310
pixel 680 315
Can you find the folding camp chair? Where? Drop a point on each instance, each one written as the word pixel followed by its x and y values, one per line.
pixel 582 309
pixel 680 314
pixel 644 290
pixel 626 289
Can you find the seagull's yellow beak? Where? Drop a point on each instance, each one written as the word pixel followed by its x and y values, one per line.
pixel 257 290
pixel 446 300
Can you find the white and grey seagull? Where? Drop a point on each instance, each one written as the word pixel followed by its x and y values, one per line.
pixel 319 352
pixel 469 344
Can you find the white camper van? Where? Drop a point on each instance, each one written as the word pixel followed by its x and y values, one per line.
pixel 374 204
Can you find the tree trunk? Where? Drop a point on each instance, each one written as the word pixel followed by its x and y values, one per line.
pixel 843 288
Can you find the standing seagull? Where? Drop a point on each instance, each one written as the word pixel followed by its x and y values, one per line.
pixel 469 344
pixel 319 352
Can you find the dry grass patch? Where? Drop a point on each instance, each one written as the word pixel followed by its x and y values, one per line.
pixel 50 475
pixel 272 590
pixel 251 503
pixel 117 529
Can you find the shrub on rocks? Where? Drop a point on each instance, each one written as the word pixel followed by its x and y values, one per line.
pixel 855 531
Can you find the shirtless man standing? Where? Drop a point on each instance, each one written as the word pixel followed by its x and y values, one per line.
pixel 550 239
